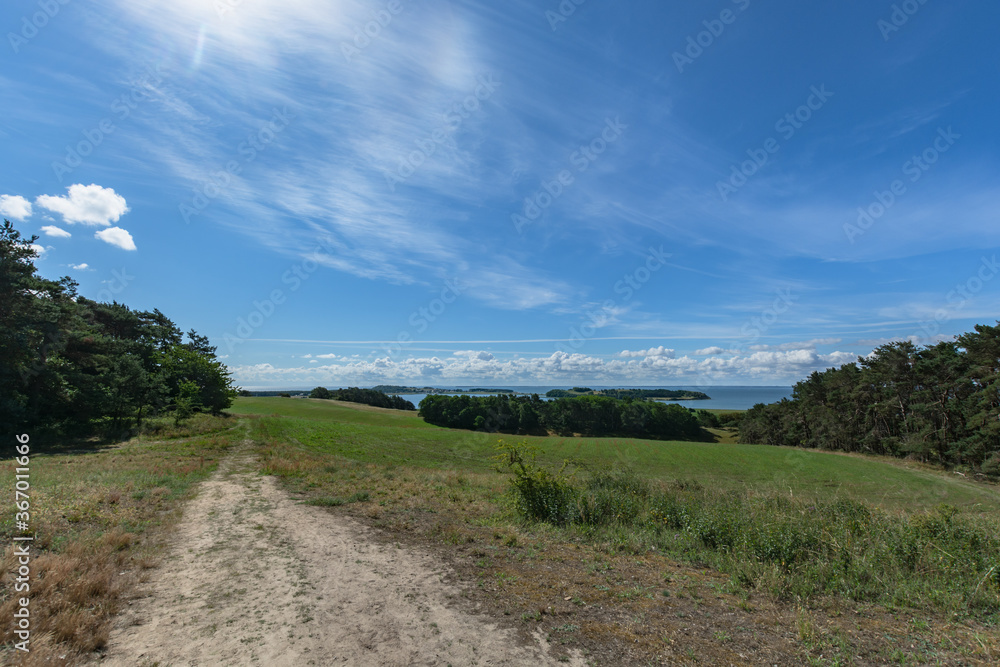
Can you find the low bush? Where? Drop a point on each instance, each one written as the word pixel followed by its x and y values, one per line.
pixel 539 493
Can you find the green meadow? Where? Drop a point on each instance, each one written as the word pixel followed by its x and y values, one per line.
pixel 797 526
pixel 372 435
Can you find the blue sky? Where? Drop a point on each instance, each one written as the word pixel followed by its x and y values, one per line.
pixel 349 192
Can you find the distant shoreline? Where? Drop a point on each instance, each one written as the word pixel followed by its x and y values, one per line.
pixel 403 390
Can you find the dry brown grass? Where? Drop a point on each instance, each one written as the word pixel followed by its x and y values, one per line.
pixel 100 520
pixel 74 594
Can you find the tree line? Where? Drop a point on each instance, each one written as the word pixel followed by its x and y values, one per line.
pixel 937 403
pixel 373 397
pixel 72 366
pixel 586 415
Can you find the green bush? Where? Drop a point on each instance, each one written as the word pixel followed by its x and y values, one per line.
pixel 540 494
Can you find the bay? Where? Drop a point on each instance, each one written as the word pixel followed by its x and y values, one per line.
pixel 722 397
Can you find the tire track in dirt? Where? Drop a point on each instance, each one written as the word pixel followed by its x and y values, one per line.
pixel 255 578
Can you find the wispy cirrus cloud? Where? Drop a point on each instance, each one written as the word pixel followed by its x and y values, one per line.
pixel 421 93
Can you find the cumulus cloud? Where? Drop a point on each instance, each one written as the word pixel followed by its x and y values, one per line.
pixel 558 368
pixel 39 250
pixel 474 355
pixel 651 352
pixel 116 236
pixel 87 204
pixel 15 207
pixel 709 351
pixel 55 232
pixel 79 267
pixel 326 356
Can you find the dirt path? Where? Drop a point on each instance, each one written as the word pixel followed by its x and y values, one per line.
pixel 255 578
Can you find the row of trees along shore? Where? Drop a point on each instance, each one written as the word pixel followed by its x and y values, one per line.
pixel 937 403
pixel 372 397
pixel 586 415
pixel 72 366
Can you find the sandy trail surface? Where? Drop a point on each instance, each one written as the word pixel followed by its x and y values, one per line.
pixel 252 577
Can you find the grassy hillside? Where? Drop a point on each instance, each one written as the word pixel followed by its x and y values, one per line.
pixel 374 435
pixel 871 560
pixel 100 512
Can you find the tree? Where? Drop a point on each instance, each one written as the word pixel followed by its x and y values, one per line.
pixel 321 392
pixel 182 364
pixel 939 403
pixel 69 364
pixel 187 402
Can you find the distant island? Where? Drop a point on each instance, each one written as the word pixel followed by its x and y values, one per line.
pixel 654 394
pixel 399 389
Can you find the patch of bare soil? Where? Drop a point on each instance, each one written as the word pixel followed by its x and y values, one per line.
pixel 253 577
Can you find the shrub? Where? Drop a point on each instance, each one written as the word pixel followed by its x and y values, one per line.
pixel 617 496
pixel 540 494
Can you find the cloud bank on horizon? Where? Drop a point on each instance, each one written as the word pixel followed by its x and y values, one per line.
pixel 355 191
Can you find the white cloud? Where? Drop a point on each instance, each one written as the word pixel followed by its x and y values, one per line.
pixel 88 204
pixel 14 206
pixel 651 352
pixel 55 232
pixel 474 355
pixel 116 236
pixel 326 356
pixel 709 351
pixel 773 367
pixel 79 267
pixel 39 250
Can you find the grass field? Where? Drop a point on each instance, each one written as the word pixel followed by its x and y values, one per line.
pixel 374 435
pixel 796 535
pixel 659 578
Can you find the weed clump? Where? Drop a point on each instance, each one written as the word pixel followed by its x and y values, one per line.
pixel 540 494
